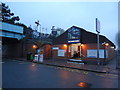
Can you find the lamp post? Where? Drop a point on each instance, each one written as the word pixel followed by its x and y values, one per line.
pixel 38 24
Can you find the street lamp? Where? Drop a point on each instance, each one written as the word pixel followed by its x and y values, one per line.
pixel 34 46
pixel 82 45
pixel 65 45
pixel 106 44
pixel 38 23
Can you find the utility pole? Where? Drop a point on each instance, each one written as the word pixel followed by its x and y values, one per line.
pixel 37 23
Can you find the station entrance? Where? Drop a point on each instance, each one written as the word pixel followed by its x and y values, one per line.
pixel 75 50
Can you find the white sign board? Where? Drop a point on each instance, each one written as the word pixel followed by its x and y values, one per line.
pixel 61 52
pixel 101 53
pixel 106 53
pixel 91 53
pixel 41 58
pixel 55 48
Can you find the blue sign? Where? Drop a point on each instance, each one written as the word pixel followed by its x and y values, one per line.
pixel 73 33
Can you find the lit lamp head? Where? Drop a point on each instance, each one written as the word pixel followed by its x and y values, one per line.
pixel 106 44
pixel 82 45
pixel 65 45
pixel 34 46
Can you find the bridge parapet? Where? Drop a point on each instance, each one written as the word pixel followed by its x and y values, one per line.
pixel 11 31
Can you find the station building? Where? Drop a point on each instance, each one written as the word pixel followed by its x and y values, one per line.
pixel 84 43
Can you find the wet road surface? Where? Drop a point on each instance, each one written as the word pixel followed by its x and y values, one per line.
pixel 20 74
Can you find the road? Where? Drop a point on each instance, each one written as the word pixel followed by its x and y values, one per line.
pixel 21 74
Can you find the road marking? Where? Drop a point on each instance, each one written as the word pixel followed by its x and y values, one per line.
pixel 108 75
pixel 74 70
pixel 85 72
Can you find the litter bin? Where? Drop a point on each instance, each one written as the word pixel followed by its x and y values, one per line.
pixel 28 56
pixel 31 57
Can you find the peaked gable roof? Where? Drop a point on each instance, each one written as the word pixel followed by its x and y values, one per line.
pixel 85 37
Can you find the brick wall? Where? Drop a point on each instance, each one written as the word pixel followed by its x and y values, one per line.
pixel 111 51
pixel 11 50
pixel 55 51
pixel 47 51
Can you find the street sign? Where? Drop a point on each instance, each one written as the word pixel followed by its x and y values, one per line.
pixel 97 25
pixel 38 51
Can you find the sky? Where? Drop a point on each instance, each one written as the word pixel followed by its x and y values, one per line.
pixel 66 14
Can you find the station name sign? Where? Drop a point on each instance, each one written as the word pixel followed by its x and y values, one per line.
pixel 74 41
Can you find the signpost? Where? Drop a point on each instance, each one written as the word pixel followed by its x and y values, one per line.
pixel 98 45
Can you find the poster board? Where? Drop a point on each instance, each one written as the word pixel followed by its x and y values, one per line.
pixel 61 52
pixel 92 53
pixel 101 53
pixel 55 48
pixel 106 53
pixel 41 58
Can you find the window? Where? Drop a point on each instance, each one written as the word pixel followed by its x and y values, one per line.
pixel 73 33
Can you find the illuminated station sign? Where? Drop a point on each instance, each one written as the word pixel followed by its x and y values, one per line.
pixel 74 41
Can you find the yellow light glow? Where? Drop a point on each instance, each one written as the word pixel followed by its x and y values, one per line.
pixel 33 65
pixel 81 84
pixel 112 47
pixel 65 45
pixel 107 44
pixel 34 46
pixel 74 41
pixel 82 45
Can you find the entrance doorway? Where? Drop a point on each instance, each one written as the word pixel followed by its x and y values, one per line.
pixel 75 48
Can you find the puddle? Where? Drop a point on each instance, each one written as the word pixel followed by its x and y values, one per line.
pixel 84 85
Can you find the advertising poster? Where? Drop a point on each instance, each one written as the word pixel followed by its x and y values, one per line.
pixel 41 58
pixel 61 52
pixel 92 53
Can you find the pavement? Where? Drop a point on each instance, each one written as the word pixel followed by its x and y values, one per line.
pixel 108 68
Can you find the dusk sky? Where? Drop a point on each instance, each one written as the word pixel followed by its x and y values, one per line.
pixel 67 14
